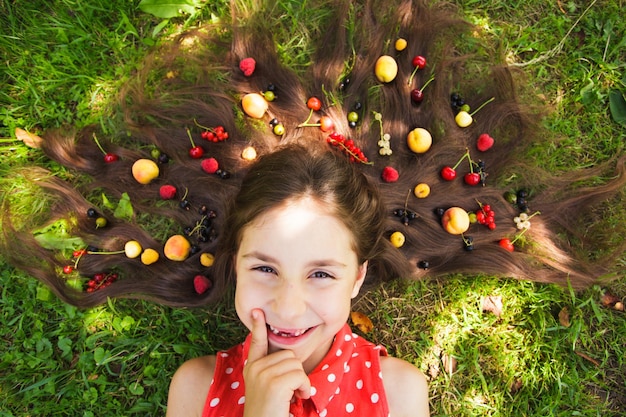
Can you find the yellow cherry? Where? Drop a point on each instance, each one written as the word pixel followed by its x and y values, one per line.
pixel 397 239
pixel 463 119
pixel 421 190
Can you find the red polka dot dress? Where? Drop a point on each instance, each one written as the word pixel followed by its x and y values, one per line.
pixel 348 381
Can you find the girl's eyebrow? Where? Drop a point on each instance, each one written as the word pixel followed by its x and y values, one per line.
pixel 315 263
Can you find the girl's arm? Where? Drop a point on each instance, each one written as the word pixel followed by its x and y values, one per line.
pixel 189 387
pixel 406 388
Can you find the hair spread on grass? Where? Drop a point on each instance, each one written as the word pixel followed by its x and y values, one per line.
pixel 195 80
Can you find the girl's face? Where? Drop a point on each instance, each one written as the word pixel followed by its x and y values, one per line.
pixel 296 262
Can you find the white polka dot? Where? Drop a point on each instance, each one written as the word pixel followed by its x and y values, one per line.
pixel 368 364
pixel 331 377
pixel 380 375
pixel 337 391
pixel 374 398
pixel 224 355
pixel 354 335
pixel 347 337
pixel 359 384
pixel 229 371
pixel 235 385
pixel 313 391
pixel 354 355
pixel 339 352
pixel 214 402
pixel 323 413
pixel 241 400
pixel 325 367
pixel 349 407
pixel 346 368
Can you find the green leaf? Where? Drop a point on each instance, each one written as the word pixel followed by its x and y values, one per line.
pixel 167 9
pixel 124 209
pixel 617 105
pixel 107 203
pixel 44 294
pixel 135 389
pixel 56 236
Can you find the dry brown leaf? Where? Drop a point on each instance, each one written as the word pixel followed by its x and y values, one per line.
pixel 361 321
pixel 609 300
pixel 30 139
pixel 516 385
pixel 564 317
pixel 493 304
pixel 449 363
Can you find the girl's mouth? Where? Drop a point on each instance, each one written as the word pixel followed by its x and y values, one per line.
pixel 287 333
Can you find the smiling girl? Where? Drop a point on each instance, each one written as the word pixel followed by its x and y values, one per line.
pixel 304 230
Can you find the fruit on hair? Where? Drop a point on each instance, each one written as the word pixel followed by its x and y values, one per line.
pixel 419 140
pixel 177 248
pixel 254 105
pixel 386 69
pixel 145 170
pixel 455 220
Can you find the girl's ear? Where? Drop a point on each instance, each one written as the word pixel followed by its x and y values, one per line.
pixel 360 279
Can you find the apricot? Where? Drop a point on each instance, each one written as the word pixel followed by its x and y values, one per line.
pixel 254 105
pixel 455 220
pixel 207 259
pixel 145 170
pixel 177 248
pixel 149 256
pixel 386 69
pixel 419 140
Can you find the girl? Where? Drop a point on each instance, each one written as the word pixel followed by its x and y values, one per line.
pixel 305 230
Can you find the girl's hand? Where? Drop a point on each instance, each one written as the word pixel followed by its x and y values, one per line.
pixel 271 380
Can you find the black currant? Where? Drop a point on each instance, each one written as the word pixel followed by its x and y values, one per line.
pixel 188 230
pixel 271 87
pixel 185 205
pixel 92 213
pixel 423 265
pixel 522 194
pixel 163 158
pixel 224 174
pixel 194 249
pixel 273 122
pixel 358 106
pixel 352 125
pixel 440 211
pixel 405 220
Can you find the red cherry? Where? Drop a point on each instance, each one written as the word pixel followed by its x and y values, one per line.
pixel 67 269
pixel 314 103
pixel 110 157
pixel 472 178
pixel 448 173
pixel 196 152
pixel 419 61
pixel 417 95
pixel 506 244
pixel 326 124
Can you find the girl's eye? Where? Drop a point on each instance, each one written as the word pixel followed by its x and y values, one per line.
pixel 321 274
pixel 264 269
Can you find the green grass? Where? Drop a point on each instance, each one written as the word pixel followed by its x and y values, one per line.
pixel 63 59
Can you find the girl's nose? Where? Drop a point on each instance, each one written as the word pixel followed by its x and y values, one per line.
pixel 289 301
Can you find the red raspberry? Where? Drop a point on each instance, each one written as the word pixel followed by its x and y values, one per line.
pixel 390 174
pixel 167 192
pixel 201 284
pixel 210 165
pixel 247 66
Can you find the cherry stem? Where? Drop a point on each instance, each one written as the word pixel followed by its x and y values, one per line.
pixel 306 122
pixel 118 252
pixel 203 127
pixel 98 143
pixel 466 155
pixel 482 105
pixel 186 192
pixel 190 138
pixel 432 77
pixel 412 75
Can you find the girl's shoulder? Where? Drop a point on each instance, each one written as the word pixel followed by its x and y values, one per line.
pixel 190 386
pixel 406 388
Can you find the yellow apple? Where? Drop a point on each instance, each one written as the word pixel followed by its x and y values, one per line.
pixel 419 140
pixel 386 69
pixel 145 170
pixel 455 221
pixel 254 105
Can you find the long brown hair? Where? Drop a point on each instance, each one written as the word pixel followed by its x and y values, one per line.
pixel 196 81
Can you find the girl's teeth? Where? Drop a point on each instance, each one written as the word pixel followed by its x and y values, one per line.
pixel 286 334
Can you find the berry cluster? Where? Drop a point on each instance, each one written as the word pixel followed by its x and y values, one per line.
pixel 101 221
pixel 203 230
pixel 277 127
pixel 458 103
pixel 100 280
pixel 385 138
pixel 486 216
pixel 270 93
pixel 468 242
pixel 217 134
pixel 405 215
pixel 348 147
pixel 353 116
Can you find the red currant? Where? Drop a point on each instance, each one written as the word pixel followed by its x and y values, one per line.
pixel 68 269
